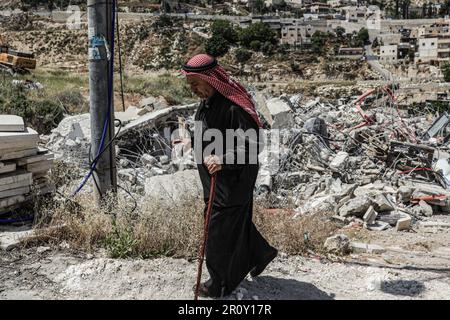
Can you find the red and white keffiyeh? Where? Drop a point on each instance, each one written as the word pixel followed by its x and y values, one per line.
pixel 206 68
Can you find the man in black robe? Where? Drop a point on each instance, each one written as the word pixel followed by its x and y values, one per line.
pixel 234 247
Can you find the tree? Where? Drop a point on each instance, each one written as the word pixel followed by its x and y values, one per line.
pixel 340 32
pixel 242 55
pixel 446 71
pixel 318 41
pixel 257 5
pixel 267 48
pixel 257 31
pixel 217 46
pixel 363 36
pixel 226 30
pixel 255 45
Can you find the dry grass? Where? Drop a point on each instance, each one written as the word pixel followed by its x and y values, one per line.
pixel 294 236
pixel 158 228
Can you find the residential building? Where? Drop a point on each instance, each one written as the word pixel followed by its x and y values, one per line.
pixel 350 53
pixel 319 7
pixel 297 35
pixel 388 54
pixel 427 51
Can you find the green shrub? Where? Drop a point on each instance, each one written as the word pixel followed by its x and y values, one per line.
pixel 217 46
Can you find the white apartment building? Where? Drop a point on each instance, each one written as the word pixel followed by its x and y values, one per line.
pixel 388 54
pixel 297 35
pixel 428 50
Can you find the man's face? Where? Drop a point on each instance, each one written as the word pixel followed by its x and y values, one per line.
pixel 200 87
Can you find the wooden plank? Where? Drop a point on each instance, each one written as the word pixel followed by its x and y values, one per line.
pixel 9 154
pixel 8 167
pixel 11 201
pixel 14 192
pixel 39 166
pixel 33 159
pixel 14 177
pixel 15 185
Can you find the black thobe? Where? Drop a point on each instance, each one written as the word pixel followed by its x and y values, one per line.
pixel 234 244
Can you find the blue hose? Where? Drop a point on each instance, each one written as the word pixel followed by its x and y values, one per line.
pixel 110 98
pixel 7 221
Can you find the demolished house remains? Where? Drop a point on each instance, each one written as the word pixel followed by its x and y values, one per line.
pixel 370 160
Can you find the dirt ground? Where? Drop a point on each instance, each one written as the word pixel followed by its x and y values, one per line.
pixel 416 265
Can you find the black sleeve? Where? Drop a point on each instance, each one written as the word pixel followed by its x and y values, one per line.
pixel 246 141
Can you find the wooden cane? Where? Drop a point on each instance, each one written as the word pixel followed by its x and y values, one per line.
pixel 212 192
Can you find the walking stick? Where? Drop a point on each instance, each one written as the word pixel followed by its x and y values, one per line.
pixel 212 192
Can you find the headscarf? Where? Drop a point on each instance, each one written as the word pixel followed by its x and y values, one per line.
pixel 207 68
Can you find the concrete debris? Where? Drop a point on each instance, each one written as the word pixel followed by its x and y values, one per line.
pixel 12 239
pixel 174 187
pixel 403 223
pixel 359 247
pixel 370 216
pixel 350 155
pixel 339 161
pixel 26 165
pixel 356 207
pixel 377 226
pixel 28 84
pixel 280 114
pixel 382 203
pixel 338 244
pixel 425 209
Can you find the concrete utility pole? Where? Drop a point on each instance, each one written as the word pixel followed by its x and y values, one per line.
pixel 100 15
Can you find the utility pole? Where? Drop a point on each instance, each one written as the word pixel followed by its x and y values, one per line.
pixel 100 26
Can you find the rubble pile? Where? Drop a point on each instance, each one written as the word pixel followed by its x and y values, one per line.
pixel 366 160
pixel 23 165
pixel 151 140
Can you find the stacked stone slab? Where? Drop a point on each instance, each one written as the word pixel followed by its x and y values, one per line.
pixel 23 165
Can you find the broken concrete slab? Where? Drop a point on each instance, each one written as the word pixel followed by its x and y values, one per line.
pixel 130 114
pixel 356 206
pixel 403 223
pixel 316 204
pixel 174 187
pixel 391 217
pixel 280 114
pixel 151 119
pixel 359 247
pixel 11 240
pixel 382 203
pixel 370 216
pixel 11 123
pixel 377 226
